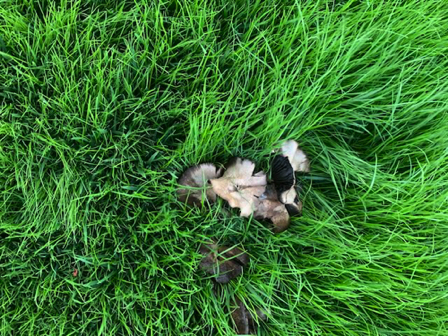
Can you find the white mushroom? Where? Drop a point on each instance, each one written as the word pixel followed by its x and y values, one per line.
pixel 296 156
pixel 240 186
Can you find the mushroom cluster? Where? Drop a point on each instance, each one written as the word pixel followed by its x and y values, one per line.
pixel 251 192
pixel 274 200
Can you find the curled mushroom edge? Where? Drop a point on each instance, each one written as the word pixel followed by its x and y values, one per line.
pixel 296 156
pixel 271 209
pixel 239 186
pixel 196 184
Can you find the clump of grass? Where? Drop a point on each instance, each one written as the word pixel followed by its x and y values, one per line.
pixel 104 103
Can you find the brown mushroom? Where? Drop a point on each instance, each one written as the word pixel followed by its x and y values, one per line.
pixel 240 186
pixel 270 208
pixel 244 321
pixel 197 179
pixel 224 262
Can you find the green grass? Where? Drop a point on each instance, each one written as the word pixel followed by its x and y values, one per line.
pixel 103 104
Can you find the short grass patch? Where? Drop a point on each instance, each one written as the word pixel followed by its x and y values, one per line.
pixel 103 104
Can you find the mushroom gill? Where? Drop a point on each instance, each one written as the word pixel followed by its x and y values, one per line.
pixel 291 159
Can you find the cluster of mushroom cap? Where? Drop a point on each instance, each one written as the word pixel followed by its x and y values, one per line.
pixel 251 192
pixel 276 201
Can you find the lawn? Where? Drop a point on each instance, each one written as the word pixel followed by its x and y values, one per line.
pixel 103 105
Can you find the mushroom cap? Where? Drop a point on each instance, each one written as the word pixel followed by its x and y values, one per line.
pixel 198 177
pixel 242 319
pixel 224 262
pixel 245 323
pixel 291 201
pixel 236 254
pixel 288 196
pixel 296 156
pixel 270 208
pixel 239 186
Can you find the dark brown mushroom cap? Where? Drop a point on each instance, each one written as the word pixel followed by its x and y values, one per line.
pixel 197 179
pixel 240 256
pixel 243 319
pixel 224 262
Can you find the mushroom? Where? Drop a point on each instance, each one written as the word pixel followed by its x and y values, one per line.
pixel 198 177
pixel 240 186
pixel 270 208
pixel 284 181
pixel 296 156
pixel 243 319
pixel 291 159
pixel 227 263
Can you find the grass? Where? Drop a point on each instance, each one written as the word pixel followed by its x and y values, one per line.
pixel 103 104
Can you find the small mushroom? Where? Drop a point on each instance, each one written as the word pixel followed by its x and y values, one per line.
pixel 243 319
pixel 296 156
pixel 284 181
pixel 270 208
pixel 227 263
pixel 291 159
pixel 197 178
pixel 240 186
